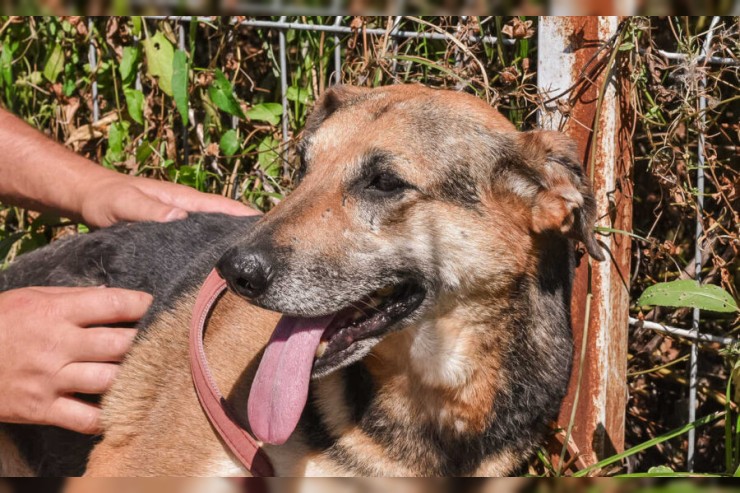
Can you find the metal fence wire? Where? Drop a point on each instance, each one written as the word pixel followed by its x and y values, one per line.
pixel 341 31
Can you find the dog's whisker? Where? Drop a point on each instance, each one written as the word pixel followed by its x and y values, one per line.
pixel 361 309
pixel 367 305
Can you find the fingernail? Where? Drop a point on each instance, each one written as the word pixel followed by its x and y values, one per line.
pixel 176 214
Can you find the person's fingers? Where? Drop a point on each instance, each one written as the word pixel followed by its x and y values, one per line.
pixel 86 378
pixel 102 344
pixel 217 203
pixel 104 306
pixel 143 207
pixel 76 415
pixel 192 200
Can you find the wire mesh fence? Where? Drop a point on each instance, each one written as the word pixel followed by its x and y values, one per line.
pixel 217 104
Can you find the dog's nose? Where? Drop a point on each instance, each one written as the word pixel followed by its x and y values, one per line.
pixel 247 273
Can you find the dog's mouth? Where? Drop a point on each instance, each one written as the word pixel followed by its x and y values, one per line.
pixel 302 348
pixel 366 320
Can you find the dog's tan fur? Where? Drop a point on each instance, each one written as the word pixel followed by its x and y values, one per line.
pixel 12 463
pixel 444 373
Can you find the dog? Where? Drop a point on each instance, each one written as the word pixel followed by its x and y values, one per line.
pixel 423 270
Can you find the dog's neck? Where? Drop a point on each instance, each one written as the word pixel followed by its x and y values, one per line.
pixel 446 363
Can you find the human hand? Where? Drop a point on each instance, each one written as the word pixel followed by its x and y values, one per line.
pixel 116 197
pixel 47 352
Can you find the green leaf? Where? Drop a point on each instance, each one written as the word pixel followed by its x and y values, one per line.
pixel 185 175
pixel 229 143
pixel 268 157
pixel 6 65
pixel 54 64
pixel 266 112
pixel 192 176
pixel 68 87
pixel 689 293
pixel 116 136
pixel 222 95
pixel 136 25
pixel 159 54
pixel 180 83
pixel 299 95
pixel 129 64
pixel 660 470
pixel 145 150
pixel 135 104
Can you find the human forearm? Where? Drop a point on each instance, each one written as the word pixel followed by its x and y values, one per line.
pixel 40 174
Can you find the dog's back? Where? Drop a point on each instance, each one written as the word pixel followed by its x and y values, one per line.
pixel 144 256
pixel 160 259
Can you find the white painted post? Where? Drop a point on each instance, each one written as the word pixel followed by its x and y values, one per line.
pixel 566 44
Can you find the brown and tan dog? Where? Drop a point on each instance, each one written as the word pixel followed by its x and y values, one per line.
pixel 423 269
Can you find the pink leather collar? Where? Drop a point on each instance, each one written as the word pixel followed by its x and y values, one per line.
pixel 241 443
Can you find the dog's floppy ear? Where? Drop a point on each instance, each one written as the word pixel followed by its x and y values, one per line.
pixel 333 98
pixel 564 201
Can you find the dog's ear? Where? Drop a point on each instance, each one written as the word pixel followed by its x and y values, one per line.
pixel 564 201
pixel 333 98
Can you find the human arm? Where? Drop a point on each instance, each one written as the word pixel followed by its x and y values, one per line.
pixel 40 174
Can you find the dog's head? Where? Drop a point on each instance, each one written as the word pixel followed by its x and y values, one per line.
pixel 408 195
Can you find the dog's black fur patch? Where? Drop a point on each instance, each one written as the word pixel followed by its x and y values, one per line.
pixel 163 259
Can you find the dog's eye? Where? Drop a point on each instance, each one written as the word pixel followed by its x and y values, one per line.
pixel 387 183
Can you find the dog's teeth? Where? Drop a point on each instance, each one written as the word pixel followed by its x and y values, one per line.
pixel 386 291
pixel 374 302
pixel 321 349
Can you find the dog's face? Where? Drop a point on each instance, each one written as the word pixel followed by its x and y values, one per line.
pixel 411 197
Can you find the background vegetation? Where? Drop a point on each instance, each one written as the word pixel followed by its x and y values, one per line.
pixel 200 104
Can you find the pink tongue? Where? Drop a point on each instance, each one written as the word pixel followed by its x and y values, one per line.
pixel 280 387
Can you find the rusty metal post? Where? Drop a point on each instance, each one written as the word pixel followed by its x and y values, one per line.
pixel 566 45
